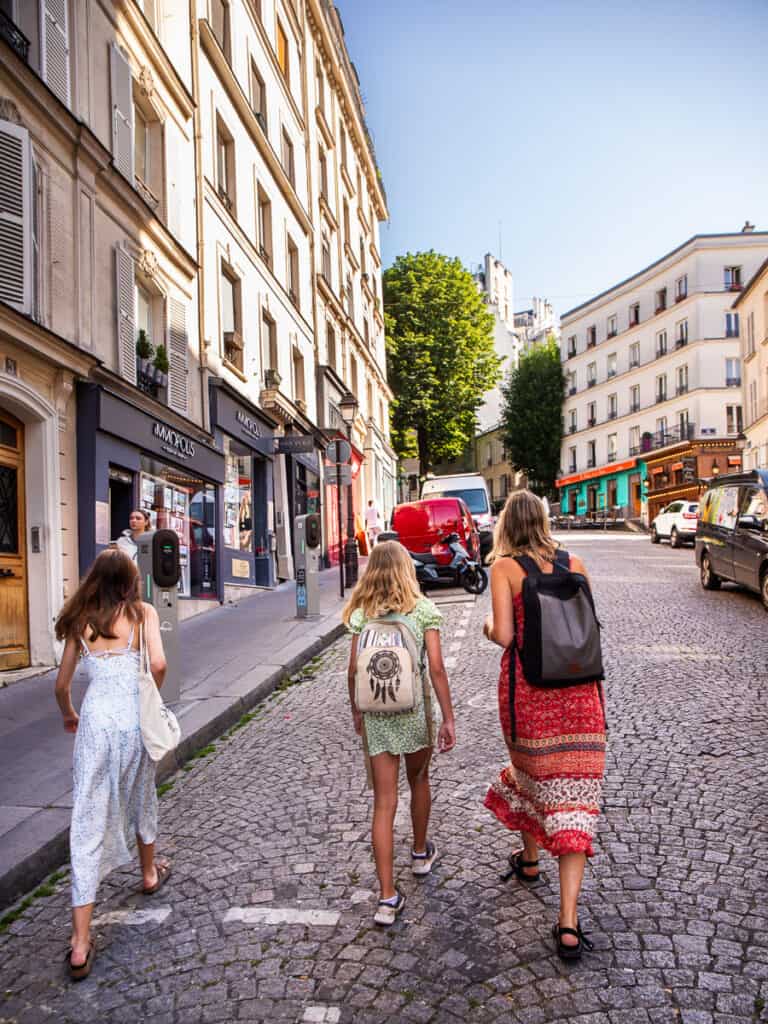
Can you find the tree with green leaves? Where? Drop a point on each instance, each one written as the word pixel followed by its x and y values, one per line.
pixel 532 415
pixel 440 355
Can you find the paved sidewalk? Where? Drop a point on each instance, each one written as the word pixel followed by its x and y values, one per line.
pixel 231 658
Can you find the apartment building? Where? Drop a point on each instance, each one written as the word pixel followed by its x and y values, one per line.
pixel 535 326
pixel 751 307
pixel 653 371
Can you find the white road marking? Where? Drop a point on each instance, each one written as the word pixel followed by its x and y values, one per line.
pixel 361 896
pixel 150 915
pixel 319 1014
pixel 282 915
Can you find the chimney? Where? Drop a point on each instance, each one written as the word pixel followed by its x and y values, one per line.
pixel 748 228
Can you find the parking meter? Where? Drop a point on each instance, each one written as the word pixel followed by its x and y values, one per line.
pixel 160 570
pixel 308 540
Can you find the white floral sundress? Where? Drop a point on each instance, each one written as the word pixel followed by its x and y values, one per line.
pixel 405 733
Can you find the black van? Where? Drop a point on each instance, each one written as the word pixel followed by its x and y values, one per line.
pixel 732 533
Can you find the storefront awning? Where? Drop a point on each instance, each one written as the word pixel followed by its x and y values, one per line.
pixel 675 466
pixel 734 460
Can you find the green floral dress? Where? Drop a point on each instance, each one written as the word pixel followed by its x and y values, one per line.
pixel 405 733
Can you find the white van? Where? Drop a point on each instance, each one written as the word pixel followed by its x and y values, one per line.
pixel 473 490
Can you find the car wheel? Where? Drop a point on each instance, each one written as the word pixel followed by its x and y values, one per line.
pixel 708 578
pixel 764 588
pixel 655 538
pixel 674 539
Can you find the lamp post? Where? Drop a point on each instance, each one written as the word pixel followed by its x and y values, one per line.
pixel 349 406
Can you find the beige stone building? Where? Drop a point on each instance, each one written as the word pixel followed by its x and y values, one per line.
pixel 752 310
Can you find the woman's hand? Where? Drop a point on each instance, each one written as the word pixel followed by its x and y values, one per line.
pixel 71 718
pixel 357 718
pixel 488 627
pixel 446 738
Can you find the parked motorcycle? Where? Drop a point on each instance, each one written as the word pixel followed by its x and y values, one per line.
pixel 469 573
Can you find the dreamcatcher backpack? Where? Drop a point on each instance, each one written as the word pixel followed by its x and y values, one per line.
pixel 390 666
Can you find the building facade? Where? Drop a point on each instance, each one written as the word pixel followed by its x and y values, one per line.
pixel 535 326
pixel 751 306
pixel 653 367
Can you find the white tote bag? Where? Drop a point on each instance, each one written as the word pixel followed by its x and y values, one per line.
pixel 160 729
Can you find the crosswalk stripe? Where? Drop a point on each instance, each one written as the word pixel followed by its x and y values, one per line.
pixel 282 915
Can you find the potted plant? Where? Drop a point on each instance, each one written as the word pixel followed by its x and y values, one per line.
pixel 161 366
pixel 144 352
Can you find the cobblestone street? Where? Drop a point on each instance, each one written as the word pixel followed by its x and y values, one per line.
pixel 268 915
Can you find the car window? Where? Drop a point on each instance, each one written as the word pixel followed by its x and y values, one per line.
pixel 709 505
pixel 728 508
pixel 676 506
pixel 475 498
pixel 754 503
pixel 693 507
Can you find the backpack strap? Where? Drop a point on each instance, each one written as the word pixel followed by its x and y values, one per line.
pixel 528 565
pixel 562 559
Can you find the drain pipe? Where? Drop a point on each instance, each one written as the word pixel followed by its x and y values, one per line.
pixel 197 134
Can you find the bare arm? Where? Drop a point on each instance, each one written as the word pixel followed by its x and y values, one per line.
pixel 356 715
pixel 63 687
pixel 153 638
pixel 500 628
pixel 578 566
pixel 446 739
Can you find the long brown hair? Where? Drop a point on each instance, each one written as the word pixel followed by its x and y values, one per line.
pixel 387 585
pixel 523 529
pixel 110 589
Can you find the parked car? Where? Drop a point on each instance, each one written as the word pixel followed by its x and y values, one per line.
pixel 732 536
pixel 473 491
pixel 677 522
pixel 421 527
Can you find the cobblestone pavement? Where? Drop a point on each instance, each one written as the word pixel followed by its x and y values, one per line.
pixel 268 914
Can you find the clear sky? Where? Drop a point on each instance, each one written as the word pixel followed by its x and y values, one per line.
pixel 601 134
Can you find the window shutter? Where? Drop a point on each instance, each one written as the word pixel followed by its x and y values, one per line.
pixel 126 315
pixel 175 150
pixel 178 355
pixel 55 47
pixel 122 111
pixel 15 217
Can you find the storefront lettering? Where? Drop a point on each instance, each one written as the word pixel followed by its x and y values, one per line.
pixel 249 426
pixel 174 442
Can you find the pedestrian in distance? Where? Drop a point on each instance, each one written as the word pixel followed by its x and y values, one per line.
pixel 387 608
pixel 138 522
pixel 555 731
pixel 104 623
pixel 372 523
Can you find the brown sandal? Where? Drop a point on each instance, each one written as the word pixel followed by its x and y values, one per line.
pixel 78 972
pixel 163 869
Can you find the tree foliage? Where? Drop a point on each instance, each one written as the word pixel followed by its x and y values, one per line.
pixel 440 355
pixel 532 415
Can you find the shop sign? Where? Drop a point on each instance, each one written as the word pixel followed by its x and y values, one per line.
pixel 173 442
pixel 248 425
pixel 294 444
pixel 610 470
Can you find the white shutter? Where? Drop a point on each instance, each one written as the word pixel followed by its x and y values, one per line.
pixel 175 150
pixel 15 217
pixel 178 355
pixel 126 314
pixel 55 47
pixel 122 111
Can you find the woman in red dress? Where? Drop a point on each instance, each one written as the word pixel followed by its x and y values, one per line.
pixel 551 791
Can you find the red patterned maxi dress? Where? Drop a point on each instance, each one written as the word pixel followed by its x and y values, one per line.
pixel 552 788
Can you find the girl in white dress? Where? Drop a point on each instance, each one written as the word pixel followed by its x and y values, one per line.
pixel 114 778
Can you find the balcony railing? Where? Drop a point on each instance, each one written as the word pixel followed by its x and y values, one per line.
pixel 611 456
pixel 634 407
pixel 572 391
pixel 14 37
pixel 592 422
pixel 591 463
pixel 571 353
pixel 681 342
pixel 572 428
pixel 634 363
pixel 661 396
pixel 592 382
pixel 612 333
pixel 611 373
pixel 591 343
pixel 736 286
pixel 660 352
pixel 681 295
pixel 612 414
pixel 682 389
pixel 733 382
pixel 572 468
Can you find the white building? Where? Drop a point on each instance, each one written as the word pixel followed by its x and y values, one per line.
pixel 495 283
pixel 653 366
pixel 535 325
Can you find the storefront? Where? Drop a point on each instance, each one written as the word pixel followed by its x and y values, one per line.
pixel 615 488
pixel 331 506
pixel 247 509
pixel 678 474
pixel 127 458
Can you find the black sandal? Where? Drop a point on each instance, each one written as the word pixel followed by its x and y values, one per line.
pixel 517 864
pixel 566 952
pixel 78 972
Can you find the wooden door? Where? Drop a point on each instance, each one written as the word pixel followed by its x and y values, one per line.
pixel 14 621
pixel 635 494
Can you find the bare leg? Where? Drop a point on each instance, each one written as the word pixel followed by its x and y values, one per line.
pixel 571 875
pixel 81 933
pixel 148 862
pixel 385 770
pixel 530 853
pixel 417 770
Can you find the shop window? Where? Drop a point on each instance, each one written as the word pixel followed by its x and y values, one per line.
pixel 231 319
pixel 238 497
pixel 269 350
pixel 178 500
pixel 264 225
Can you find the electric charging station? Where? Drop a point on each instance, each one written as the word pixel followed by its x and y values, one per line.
pixel 159 568
pixel 308 538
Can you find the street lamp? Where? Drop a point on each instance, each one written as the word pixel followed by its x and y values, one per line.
pixel 348 407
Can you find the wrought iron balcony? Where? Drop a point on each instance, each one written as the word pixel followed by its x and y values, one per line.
pixel 14 37
pixel 733 382
pixel 591 463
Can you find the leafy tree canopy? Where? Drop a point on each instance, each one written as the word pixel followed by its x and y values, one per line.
pixel 440 355
pixel 532 415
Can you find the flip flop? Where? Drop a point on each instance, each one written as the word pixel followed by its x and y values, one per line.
pixel 80 971
pixel 163 874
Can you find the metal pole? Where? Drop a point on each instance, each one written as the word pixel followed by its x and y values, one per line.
pixel 338 510
pixel 350 548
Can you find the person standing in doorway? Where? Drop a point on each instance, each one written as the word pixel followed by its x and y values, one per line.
pixel 138 522
pixel 372 523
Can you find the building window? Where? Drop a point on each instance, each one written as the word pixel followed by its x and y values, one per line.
pixel 572 424
pixel 350 298
pixel 282 53
pixel 661 429
pixel 613 447
pixel 592 414
pixel 363 270
pixel 591 454
pixel 612 328
pixel 225 165
pixel 634 398
pixel 734 423
pixel 141 154
pixel 733 373
pixel 731 325
pixel 293 271
pixel 353 374
pixel 299 394
pixel 661 344
pixel 269 350
pixel 611 367
pixel 681 288
pixel 683 425
pixel 343 145
pixel 572 346
pixel 634 314
pixel 325 259
pixel 661 300
pixel 613 407
pixel 287 157
pixel 681 334
pixel 572 459
pixel 634 440
pixel 591 337
pixel 258 96
pixel 661 388
pixel 264 225
pixel 750 334
pixel 231 318
pixel 732 277
pixel 682 379
pixel 347 229
pixel 366 332
pixel 220 24
pixel 323 164
pixel 752 401
pixel 320 86
pixel 634 355
pixel 591 375
pixel 330 344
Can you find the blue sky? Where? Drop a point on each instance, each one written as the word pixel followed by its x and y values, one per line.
pixel 601 134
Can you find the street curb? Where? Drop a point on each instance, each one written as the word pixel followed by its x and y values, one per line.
pixel 34 868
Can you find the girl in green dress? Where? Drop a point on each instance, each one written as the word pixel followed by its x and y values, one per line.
pixel 389 586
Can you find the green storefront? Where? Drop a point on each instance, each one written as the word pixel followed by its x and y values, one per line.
pixel 617 487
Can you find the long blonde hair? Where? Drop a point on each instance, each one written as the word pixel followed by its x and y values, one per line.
pixel 388 584
pixel 523 529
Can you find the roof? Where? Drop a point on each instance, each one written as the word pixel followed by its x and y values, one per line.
pixel 658 262
pixel 751 283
